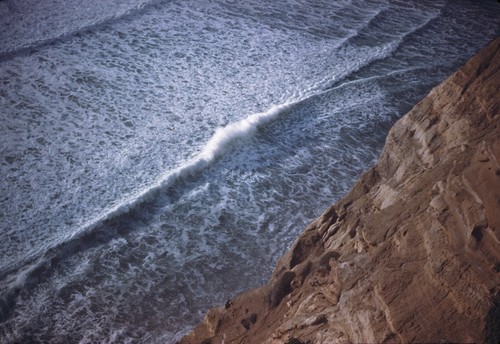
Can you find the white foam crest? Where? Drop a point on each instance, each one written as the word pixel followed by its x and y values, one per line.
pixel 222 139
pixel 215 147
pixel 219 143
pixel 244 128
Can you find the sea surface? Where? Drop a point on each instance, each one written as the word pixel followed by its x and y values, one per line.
pixel 158 157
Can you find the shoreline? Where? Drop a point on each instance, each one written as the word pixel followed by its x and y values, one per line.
pixel 401 251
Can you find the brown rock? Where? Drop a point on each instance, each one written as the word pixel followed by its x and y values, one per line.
pixel 412 253
pixel 281 288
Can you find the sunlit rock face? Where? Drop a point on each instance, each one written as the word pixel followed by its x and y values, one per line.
pixel 412 253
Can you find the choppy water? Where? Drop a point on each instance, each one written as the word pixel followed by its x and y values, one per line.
pixel 157 157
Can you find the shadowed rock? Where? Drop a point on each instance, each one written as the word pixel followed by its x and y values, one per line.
pixel 281 288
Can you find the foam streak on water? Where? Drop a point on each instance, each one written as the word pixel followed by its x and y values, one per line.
pixel 29 24
pixel 157 157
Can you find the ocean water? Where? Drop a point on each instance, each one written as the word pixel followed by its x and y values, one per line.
pixel 158 157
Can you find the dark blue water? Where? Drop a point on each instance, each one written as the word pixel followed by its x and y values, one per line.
pixel 158 157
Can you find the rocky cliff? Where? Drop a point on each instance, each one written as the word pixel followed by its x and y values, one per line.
pixel 412 253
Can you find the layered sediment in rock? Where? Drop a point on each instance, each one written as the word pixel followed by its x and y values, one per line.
pixel 412 253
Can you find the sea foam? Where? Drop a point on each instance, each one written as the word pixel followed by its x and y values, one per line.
pixel 218 144
pixel 26 26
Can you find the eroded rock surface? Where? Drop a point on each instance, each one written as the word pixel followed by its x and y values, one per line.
pixel 412 253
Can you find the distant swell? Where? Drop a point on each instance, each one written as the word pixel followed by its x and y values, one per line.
pixel 27 47
pixel 387 50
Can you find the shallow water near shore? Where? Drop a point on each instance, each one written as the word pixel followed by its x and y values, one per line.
pixel 158 157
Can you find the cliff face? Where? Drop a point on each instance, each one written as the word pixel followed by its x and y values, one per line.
pixel 412 253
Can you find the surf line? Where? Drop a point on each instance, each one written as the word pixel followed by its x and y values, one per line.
pixel 222 139
pixel 216 146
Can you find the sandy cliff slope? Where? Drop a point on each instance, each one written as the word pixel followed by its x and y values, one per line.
pixel 412 253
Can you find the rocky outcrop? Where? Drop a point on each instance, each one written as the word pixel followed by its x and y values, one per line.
pixel 412 253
